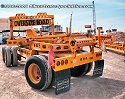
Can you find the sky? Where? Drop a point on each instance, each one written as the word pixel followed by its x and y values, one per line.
pixel 110 14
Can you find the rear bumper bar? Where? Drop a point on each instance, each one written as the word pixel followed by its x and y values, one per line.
pixel 80 59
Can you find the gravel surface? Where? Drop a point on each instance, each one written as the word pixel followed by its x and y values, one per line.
pixel 111 85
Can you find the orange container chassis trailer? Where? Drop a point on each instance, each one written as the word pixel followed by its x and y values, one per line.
pixel 109 42
pixel 53 57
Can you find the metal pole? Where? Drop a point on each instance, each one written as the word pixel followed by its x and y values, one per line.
pixel 94 18
pixel 70 28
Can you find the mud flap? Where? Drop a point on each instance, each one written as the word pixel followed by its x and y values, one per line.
pixel 98 69
pixel 62 81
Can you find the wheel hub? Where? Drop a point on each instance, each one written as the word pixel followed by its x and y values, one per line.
pixel 34 73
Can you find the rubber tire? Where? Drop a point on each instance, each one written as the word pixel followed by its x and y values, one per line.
pixel 3 53
pixel 19 57
pixel 53 76
pixel 79 70
pixel 14 57
pixel 8 56
pixel 45 56
pixel 89 67
pixel 46 72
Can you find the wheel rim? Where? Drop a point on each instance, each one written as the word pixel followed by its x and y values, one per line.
pixel 34 73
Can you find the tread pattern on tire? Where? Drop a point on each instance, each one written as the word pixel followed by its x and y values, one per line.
pixel 49 72
pixel 3 53
pixel 89 67
pixel 14 59
pixel 8 56
pixel 53 76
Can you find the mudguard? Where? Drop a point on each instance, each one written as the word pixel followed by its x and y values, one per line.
pixel 98 69
pixel 62 81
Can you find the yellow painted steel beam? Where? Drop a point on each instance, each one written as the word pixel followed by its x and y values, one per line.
pixel 117 48
pixel 80 59
pixel 43 46
pixel 15 42
pixel 25 52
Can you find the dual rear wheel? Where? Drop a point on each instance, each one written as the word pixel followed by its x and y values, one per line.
pixel 37 73
pixel 81 70
pixel 9 55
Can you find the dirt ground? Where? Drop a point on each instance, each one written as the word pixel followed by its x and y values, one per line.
pixel 111 85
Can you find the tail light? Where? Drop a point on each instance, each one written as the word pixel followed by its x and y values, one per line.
pixel 58 63
pixel 62 62
pixel 66 61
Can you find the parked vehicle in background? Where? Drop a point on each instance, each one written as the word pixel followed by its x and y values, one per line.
pixel 5 34
pixel 0 37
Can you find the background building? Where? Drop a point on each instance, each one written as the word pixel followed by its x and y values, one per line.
pixel 57 28
pixel 4 24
